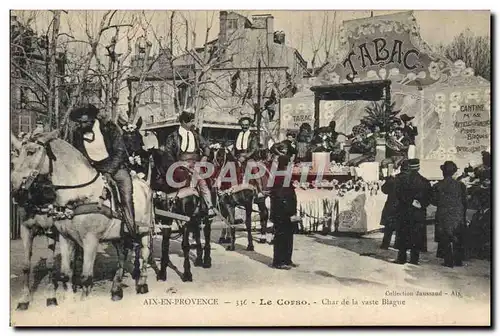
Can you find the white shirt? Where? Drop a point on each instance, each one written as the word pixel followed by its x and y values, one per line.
pixel 188 143
pixel 96 149
pixel 242 140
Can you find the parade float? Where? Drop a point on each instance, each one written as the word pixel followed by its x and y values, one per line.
pixel 447 100
pixel 450 106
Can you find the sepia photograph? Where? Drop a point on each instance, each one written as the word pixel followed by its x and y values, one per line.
pixel 186 168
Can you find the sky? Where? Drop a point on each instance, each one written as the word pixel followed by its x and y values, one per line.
pixel 302 28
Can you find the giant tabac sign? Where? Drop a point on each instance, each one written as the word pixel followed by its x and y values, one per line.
pixel 450 104
pixel 384 47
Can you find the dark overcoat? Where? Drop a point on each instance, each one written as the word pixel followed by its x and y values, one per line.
pixel 412 187
pixel 450 198
pixel 390 213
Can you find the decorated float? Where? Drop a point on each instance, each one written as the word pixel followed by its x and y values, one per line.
pixel 447 100
pixel 450 106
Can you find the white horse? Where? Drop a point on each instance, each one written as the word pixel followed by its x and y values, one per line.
pixel 83 218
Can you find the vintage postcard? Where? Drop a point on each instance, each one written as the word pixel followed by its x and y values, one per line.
pixel 250 168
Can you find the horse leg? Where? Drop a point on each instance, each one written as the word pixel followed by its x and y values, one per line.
pixel 263 222
pixel 207 231
pixel 90 244
pixel 116 287
pixel 264 217
pixel 165 249
pixel 197 237
pixel 187 276
pixel 52 287
pixel 231 216
pixel 248 224
pixel 27 235
pixel 142 286
pixel 67 256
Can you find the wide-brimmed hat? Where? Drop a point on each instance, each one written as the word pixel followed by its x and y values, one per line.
pixel 449 167
pixel 414 164
pixel 405 117
pixel 84 113
pixel 250 120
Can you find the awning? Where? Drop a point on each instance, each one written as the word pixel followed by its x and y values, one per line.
pixel 369 91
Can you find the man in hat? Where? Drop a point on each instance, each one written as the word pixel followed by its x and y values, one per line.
pixel 186 144
pixel 397 147
pixel 366 145
pixel 413 193
pixel 245 149
pixel 102 144
pixel 450 198
pixel 410 132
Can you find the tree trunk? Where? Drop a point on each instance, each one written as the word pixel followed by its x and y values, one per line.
pixel 51 111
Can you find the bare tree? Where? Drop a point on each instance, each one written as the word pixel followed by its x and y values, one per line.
pixel 475 51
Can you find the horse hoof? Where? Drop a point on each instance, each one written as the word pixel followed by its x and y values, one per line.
pixel 230 248
pixel 135 274
pixel 117 295
pixel 187 278
pixel 51 302
pixel 198 263
pixel 23 306
pixel 250 248
pixel 207 263
pixel 262 241
pixel 162 276
pixel 142 289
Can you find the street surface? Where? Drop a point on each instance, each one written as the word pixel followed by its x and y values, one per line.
pixel 330 268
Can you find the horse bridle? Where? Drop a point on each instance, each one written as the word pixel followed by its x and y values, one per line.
pixel 48 153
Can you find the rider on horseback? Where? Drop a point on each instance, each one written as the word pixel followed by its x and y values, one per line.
pixel 246 148
pixel 186 145
pixel 102 144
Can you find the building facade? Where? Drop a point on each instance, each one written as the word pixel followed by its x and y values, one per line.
pixel 28 81
pixel 219 81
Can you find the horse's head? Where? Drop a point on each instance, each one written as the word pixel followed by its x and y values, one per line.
pixel 132 137
pixel 31 160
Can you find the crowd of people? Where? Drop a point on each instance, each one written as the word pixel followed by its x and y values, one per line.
pixel 300 145
pixel 408 196
pixel 409 193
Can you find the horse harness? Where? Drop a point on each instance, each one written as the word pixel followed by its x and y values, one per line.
pixel 66 212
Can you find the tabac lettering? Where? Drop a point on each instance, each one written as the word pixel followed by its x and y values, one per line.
pixel 365 54
pixel 396 51
pixel 348 60
pixel 380 52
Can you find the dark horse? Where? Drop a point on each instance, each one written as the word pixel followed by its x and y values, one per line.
pixel 138 156
pixel 185 204
pixel 190 211
pixel 228 196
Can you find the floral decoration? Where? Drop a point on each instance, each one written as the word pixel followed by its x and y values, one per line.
pixel 455 96
pixel 441 108
pixel 454 107
pixel 440 97
pixel 468 72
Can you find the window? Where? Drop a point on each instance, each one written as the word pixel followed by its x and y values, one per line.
pixel 183 96
pixel 152 118
pixel 25 122
pixel 232 24
pixel 152 94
